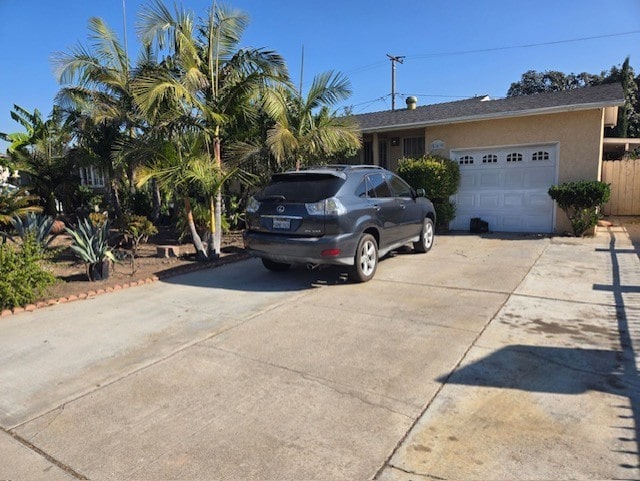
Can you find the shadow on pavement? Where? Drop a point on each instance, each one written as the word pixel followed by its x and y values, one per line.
pixel 572 370
pixel 250 275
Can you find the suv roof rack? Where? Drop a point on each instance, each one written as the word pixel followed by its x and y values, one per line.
pixel 342 167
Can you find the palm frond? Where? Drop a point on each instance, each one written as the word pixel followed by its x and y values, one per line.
pixel 328 88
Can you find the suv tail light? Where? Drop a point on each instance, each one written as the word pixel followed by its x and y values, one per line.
pixel 252 205
pixel 331 206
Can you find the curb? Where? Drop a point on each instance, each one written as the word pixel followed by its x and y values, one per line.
pixel 230 259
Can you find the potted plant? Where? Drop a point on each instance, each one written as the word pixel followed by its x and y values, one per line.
pixel 91 245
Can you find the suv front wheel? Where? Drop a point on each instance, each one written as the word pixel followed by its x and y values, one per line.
pixel 366 259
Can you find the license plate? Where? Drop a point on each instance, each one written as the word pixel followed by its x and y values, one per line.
pixel 282 224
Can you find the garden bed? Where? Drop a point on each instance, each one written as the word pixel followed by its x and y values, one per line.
pixel 72 276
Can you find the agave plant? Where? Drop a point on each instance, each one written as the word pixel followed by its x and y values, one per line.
pixel 37 226
pixel 91 246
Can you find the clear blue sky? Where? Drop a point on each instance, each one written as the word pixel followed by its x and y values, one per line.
pixel 351 36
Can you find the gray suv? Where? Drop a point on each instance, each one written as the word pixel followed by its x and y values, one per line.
pixel 337 214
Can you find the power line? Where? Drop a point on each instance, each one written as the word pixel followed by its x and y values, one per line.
pixel 528 45
pixel 494 49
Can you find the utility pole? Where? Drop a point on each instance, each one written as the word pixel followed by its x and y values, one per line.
pixel 398 59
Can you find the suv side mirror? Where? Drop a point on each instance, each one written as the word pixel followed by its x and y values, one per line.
pixel 421 193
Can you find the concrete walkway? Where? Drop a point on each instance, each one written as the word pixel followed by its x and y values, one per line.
pixel 491 357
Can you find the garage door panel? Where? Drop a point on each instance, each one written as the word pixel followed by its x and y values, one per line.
pixel 510 195
pixel 540 201
pixel 490 179
pixel 514 200
pixel 513 223
pixel 467 182
pixel 465 201
pixel 541 178
pixel 514 180
pixel 538 223
pixel 488 201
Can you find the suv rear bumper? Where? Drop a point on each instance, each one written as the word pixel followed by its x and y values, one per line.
pixel 301 250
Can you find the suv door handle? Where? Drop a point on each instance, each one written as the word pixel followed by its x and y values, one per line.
pixel 376 207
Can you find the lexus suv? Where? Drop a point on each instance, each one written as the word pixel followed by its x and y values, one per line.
pixel 348 215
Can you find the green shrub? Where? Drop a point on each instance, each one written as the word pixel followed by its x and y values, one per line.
pixel 22 278
pixel 234 212
pixel 439 177
pixel 445 212
pixel 580 201
pixel 135 229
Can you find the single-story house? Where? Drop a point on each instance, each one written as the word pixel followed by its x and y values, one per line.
pixel 510 151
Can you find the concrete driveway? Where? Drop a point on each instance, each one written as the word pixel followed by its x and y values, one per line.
pixel 488 358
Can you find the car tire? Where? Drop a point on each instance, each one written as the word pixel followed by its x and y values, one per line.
pixel 275 266
pixel 427 234
pixel 366 259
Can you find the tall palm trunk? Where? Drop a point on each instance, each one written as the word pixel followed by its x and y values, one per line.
pixel 201 253
pixel 217 228
pixel 157 200
pixel 115 198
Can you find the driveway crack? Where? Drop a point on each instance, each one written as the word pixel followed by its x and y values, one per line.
pixel 328 383
pixel 416 473
pixel 32 447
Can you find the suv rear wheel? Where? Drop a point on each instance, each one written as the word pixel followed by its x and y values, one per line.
pixel 366 259
pixel 426 237
pixel 275 266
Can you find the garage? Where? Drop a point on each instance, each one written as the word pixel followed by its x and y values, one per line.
pixel 506 187
pixel 510 150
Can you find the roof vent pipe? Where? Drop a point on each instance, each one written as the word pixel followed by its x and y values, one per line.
pixel 411 102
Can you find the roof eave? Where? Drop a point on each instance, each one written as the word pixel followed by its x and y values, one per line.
pixel 494 116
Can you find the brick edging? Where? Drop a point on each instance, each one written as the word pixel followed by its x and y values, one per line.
pixel 198 266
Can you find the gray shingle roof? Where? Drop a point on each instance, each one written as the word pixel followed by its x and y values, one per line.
pixel 476 109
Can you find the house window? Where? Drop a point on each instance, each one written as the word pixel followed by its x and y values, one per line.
pixel 540 155
pixel 490 159
pixel 514 157
pixel 466 160
pixel 413 147
pixel 92 176
pixel 367 150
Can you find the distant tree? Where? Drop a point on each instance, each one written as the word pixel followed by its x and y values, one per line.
pixel 629 114
pixel 533 82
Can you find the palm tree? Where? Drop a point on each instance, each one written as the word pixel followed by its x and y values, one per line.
pixel 16 203
pixel 208 83
pixel 41 151
pixel 97 85
pixel 305 129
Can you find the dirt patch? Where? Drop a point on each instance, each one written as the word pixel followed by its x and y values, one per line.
pixel 72 274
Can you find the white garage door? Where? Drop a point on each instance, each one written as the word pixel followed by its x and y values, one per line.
pixel 507 187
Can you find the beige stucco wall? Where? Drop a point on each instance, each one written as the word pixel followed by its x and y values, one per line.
pixel 578 135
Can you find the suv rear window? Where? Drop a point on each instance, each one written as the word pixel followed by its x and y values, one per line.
pixel 300 188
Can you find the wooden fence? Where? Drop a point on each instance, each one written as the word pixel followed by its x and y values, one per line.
pixel 624 177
